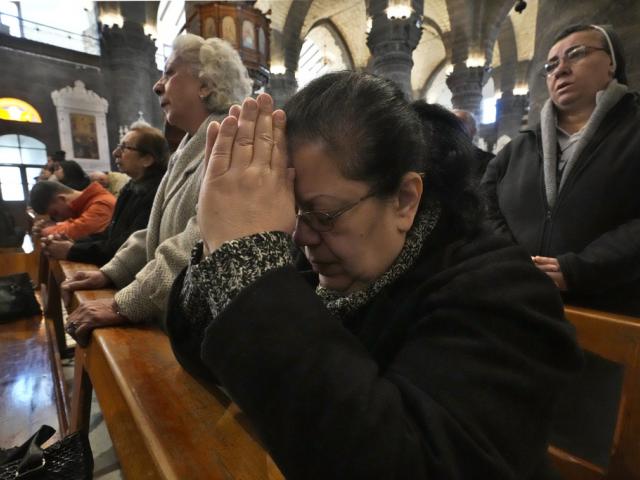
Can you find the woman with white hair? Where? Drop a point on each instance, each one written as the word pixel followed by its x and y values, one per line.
pixel 201 80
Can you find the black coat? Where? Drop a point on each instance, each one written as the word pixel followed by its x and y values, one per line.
pixel 131 214
pixel 449 373
pixel 594 227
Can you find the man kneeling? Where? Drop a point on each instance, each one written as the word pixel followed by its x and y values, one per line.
pixel 78 213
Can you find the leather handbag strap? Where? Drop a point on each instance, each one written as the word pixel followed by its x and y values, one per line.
pixel 32 463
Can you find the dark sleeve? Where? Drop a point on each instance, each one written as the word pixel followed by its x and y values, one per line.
pixel 468 394
pixel 90 251
pixel 611 260
pixel 492 177
pixel 100 249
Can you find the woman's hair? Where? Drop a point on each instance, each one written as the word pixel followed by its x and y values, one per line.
pixel 152 142
pixel 367 121
pixel 610 41
pixel 74 176
pixel 218 66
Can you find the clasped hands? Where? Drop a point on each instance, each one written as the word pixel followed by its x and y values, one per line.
pixel 56 246
pixel 93 314
pixel 247 186
pixel 551 267
pixel 39 225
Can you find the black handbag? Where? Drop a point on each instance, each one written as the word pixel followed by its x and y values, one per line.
pixel 67 459
pixel 17 298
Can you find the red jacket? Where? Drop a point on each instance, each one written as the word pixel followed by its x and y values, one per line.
pixel 92 212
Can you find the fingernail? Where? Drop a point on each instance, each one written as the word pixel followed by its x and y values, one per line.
pixel 279 117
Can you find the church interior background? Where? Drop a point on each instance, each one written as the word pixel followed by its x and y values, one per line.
pixel 76 74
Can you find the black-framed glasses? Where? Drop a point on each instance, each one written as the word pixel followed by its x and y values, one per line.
pixel 124 146
pixel 571 56
pixel 325 221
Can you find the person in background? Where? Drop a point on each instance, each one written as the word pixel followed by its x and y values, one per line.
pixel 77 213
pixel 52 161
pixel 112 181
pixel 470 125
pixel 201 81
pixel 142 155
pixel 10 235
pixel 418 346
pixel 567 188
pixel 71 174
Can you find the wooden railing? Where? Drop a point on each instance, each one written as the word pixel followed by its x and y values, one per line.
pixel 163 423
pixel 615 339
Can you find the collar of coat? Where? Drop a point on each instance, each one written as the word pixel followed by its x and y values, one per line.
pixel 342 306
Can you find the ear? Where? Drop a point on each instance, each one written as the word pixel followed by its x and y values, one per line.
pixel 147 160
pixel 408 200
pixel 205 91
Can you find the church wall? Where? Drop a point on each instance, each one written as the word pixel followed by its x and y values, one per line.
pixel 31 71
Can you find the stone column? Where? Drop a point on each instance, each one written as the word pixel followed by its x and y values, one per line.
pixel 282 87
pixel 466 85
pixel 510 112
pixel 128 61
pixel 392 41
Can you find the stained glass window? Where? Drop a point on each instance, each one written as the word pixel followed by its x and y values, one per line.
pixel 17 110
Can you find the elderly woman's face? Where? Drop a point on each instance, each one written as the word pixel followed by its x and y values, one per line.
pixel 575 82
pixel 364 240
pixel 129 158
pixel 180 96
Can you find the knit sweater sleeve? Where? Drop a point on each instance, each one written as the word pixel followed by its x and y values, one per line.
pixel 211 284
pixel 144 298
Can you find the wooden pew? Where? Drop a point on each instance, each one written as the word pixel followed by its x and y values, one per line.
pixel 615 339
pixel 27 384
pixel 163 423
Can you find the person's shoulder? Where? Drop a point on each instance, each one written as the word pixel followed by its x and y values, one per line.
pixel 489 268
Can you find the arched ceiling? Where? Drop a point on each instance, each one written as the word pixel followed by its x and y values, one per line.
pixel 429 53
pixel 349 18
pixel 477 24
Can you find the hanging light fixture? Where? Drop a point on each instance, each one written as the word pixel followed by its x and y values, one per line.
pixel 399 9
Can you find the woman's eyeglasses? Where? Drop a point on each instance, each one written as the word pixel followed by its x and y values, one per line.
pixel 325 221
pixel 124 146
pixel 571 56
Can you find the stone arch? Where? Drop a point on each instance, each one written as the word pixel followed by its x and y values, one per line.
pixel 291 41
pixel 508 56
pixel 327 23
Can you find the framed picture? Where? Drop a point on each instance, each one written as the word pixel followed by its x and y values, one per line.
pixel 84 136
pixel 82 125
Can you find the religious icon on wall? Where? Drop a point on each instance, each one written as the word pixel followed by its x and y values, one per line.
pixel 229 30
pixel 84 136
pixel 262 42
pixel 209 29
pixel 248 35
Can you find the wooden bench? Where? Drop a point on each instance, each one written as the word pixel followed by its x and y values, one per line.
pixel 163 423
pixel 27 385
pixel 615 339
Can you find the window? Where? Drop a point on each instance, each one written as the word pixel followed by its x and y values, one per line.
pixel 21 159
pixel 323 51
pixel 18 111
pixel 170 21
pixel 42 21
